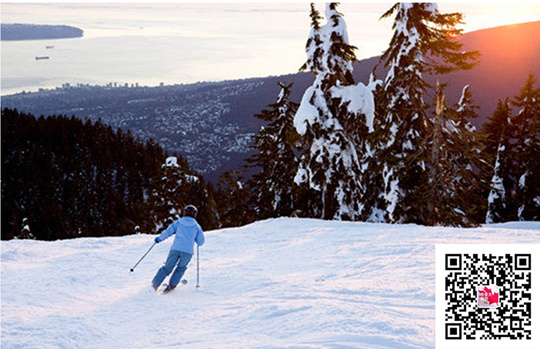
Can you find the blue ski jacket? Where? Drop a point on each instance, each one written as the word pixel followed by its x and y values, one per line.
pixel 188 232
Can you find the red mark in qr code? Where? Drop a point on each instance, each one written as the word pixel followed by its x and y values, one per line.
pixel 488 297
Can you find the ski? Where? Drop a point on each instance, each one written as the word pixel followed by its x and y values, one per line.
pixel 167 289
pixel 161 289
pixel 164 288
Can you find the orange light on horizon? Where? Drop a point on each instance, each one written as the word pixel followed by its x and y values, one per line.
pixel 482 15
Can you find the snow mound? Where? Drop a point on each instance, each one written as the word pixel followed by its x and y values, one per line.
pixel 282 283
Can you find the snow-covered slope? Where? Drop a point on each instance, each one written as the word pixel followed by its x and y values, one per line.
pixel 283 283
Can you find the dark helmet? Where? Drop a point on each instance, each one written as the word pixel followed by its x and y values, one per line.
pixel 190 211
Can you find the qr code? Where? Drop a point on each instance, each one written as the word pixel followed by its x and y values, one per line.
pixel 485 297
pixel 469 312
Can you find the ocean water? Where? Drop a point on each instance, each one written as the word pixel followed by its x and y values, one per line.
pixel 177 43
pixel 151 44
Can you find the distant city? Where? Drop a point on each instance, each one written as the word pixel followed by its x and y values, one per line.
pixel 67 85
pixel 110 85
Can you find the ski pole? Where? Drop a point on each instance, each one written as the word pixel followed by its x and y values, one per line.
pixel 151 247
pixel 197 267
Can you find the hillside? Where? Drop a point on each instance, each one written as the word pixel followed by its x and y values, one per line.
pixel 283 283
pixel 210 123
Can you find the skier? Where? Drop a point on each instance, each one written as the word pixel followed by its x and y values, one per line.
pixel 188 232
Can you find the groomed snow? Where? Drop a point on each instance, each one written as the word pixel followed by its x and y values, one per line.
pixel 282 283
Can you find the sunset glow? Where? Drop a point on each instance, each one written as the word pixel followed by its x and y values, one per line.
pixel 481 15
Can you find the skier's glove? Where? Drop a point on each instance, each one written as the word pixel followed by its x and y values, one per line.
pixel 157 240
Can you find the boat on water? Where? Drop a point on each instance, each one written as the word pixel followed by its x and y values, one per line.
pixel 38 58
pixel 49 47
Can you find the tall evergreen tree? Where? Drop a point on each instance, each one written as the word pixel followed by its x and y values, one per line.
pixel 233 200
pixel 166 199
pixel 314 48
pixel 493 129
pixel 496 205
pixel 526 165
pixel 423 42
pixel 176 187
pixel 497 150
pixel 515 187
pixel 276 158
pixel 453 189
pixel 468 168
pixel 332 112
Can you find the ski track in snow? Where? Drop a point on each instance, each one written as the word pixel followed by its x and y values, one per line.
pixel 280 283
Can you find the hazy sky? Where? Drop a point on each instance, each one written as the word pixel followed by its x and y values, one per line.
pixel 188 42
pixel 278 19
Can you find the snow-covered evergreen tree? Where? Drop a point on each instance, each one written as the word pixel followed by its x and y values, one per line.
pixel 314 49
pixel 467 166
pixel 276 147
pixel 175 189
pixel 166 199
pixel 496 204
pixel 423 42
pixel 26 233
pixel 526 132
pixel 497 147
pixel 333 114
pixel 516 172
pixel 453 191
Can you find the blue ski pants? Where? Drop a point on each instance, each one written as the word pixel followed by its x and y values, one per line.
pixel 175 258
